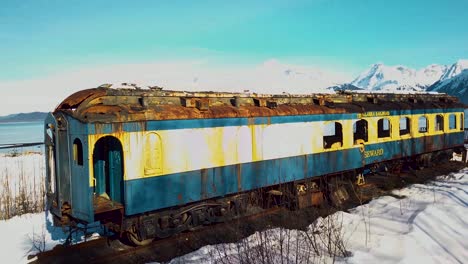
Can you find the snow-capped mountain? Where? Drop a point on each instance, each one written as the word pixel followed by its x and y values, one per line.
pixel 399 78
pixel 451 79
pixel 456 86
pixel 455 69
pixel 345 87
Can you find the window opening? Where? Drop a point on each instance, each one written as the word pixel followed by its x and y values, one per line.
pixel 452 121
pixel 422 124
pixel 360 131
pixel 461 122
pixel 383 128
pixel 78 152
pixel 439 123
pixel 405 126
pixel 333 135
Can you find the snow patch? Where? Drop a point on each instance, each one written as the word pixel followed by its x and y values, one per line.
pixel 428 226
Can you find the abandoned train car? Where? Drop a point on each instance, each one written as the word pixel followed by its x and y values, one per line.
pixel 151 163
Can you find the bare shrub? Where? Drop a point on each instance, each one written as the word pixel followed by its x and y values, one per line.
pixel 38 240
pixel 322 242
pixel 22 189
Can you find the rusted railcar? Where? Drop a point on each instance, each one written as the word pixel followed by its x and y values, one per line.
pixel 151 163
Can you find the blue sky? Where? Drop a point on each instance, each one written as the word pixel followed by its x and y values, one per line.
pixel 39 37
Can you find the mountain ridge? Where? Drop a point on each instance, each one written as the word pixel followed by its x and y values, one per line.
pixel 456 86
pixel 381 77
pixel 450 79
pixel 23 117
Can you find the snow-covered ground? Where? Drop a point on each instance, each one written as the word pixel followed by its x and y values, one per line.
pixel 22 190
pixel 428 225
pixel 30 234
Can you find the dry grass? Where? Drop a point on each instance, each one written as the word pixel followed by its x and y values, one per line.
pixel 22 184
pixel 323 241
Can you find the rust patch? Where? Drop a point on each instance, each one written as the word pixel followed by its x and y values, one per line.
pixel 77 98
pixel 204 183
pixel 239 177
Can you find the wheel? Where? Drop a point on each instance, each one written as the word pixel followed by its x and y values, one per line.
pixel 133 238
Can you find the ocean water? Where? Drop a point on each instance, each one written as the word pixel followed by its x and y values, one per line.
pixel 22 132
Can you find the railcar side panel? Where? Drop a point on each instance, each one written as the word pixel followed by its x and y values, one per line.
pixel 180 188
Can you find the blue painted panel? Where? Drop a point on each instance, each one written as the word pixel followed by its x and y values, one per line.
pixel 414 146
pixel 81 194
pixel 154 193
pixel 164 191
pixel 425 111
pixel 134 126
pixel 75 127
pixel 213 182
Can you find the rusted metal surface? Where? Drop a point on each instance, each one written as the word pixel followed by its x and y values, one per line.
pixel 122 105
pixel 310 199
pixel 103 205
pixel 77 98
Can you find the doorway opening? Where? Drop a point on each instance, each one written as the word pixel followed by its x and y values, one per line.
pixel 108 169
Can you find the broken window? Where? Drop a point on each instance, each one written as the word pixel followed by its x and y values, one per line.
pixel 422 124
pixel 360 131
pixel 439 123
pixel 404 126
pixel 452 121
pixel 78 152
pixel 333 135
pixel 383 128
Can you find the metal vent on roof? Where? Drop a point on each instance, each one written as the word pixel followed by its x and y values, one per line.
pixel 319 101
pixel 202 104
pixel 260 102
pixel 372 99
pixel 272 104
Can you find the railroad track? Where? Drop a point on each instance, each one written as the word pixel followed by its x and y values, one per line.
pixel 106 250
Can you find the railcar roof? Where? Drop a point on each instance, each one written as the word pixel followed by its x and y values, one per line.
pixel 106 105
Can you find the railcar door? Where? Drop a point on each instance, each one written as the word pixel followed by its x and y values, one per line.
pixel 81 193
pixel 108 169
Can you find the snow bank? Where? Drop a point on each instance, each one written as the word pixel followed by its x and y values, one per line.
pixel 30 234
pixel 22 179
pixel 429 225
pixel 27 234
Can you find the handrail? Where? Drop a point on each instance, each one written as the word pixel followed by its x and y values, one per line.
pixel 20 145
